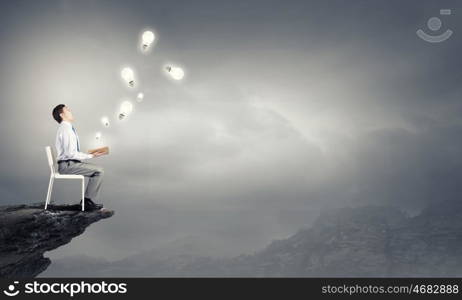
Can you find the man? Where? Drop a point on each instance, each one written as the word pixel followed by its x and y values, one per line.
pixel 70 158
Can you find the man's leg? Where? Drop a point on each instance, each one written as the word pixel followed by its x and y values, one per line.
pixel 93 172
pixel 94 185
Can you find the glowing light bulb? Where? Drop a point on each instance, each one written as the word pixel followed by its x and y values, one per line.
pixel 129 77
pixel 98 136
pixel 177 73
pixel 147 38
pixel 105 121
pixel 140 97
pixel 125 109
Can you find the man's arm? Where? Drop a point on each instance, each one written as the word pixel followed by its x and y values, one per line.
pixel 69 142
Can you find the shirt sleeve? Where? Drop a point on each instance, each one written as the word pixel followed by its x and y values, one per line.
pixel 69 143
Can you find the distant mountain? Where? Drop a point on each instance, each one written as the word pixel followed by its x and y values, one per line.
pixel 370 241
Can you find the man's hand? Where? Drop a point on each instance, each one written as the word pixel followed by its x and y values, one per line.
pixel 99 151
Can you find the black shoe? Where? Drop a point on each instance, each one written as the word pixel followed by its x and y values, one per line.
pixel 89 206
pixel 97 205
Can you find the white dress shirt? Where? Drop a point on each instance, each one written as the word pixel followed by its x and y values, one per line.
pixel 67 142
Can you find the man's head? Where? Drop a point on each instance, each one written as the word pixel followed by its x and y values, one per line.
pixel 62 113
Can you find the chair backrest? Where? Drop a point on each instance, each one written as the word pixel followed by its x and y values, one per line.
pixel 51 159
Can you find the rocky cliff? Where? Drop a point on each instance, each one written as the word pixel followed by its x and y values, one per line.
pixel 27 231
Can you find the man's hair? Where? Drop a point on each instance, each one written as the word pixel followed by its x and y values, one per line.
pixel 57 111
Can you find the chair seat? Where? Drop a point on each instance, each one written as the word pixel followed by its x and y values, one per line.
pixel 68 176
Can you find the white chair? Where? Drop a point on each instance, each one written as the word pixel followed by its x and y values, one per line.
pixel 55 175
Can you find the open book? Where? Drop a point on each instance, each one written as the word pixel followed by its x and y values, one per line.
pixel 103 150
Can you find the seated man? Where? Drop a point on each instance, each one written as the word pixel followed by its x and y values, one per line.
pixel 70 158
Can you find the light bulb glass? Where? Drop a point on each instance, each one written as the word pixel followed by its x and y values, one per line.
pixel 105 121
pixel 98 136
pixel 128 75
pixel 176 73
pixel 125 109
pixel 140 97
pixel 147 38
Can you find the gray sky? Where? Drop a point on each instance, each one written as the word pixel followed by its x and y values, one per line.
pixel 287 107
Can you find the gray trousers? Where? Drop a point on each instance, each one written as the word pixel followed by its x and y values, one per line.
pixel 93 172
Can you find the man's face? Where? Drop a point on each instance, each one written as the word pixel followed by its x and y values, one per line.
pixel 67 114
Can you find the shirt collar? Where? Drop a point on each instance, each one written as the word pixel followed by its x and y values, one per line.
pixel 66 123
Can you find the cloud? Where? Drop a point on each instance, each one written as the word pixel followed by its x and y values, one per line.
pixel 284 110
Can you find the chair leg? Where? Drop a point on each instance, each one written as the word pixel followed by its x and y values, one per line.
pixel 83 194
pixel 50 188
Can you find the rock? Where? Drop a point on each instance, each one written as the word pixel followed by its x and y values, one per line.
pixel 27 231
pixel 371 241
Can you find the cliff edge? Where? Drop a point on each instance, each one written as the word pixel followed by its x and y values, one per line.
pixel 27 231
